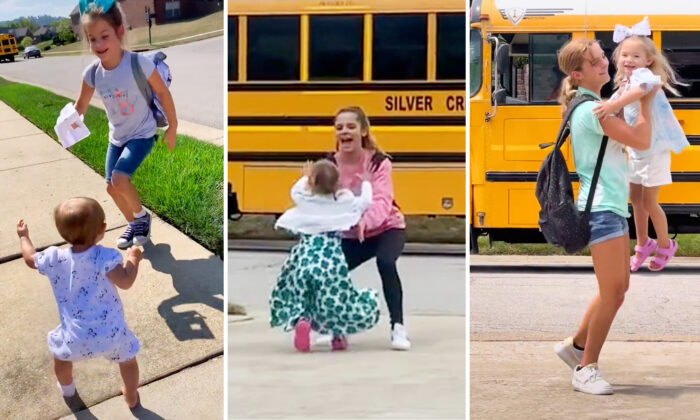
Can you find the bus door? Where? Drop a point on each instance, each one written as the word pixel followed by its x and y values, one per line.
pixel 524 114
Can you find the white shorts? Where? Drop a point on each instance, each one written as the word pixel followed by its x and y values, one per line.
pixel 651 171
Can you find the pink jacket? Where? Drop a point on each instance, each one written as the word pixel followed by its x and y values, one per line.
pixel 382 214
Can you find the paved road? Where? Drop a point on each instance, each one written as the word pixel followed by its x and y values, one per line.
pixel 651 356
pixel 268 379
pixel 197 69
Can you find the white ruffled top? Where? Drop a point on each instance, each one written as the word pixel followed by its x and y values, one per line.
pixel 666 131
pixel 314 214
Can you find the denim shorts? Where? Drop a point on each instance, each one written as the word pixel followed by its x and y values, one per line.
pixel 127 158
pixel 606 225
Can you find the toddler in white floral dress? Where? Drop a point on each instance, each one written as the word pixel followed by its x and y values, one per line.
pixel 83 279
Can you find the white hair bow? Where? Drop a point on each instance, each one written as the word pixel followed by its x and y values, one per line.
pixel 622 32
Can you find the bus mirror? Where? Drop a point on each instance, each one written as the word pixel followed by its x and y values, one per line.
pixel 499 96
pixel 503 58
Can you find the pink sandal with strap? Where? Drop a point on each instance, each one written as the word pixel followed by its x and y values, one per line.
pixel 644 253
pixel 664 255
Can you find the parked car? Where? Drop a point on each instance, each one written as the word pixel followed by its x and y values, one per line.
pixel 31 51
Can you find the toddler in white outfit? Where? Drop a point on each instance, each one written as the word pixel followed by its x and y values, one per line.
pixel 83 279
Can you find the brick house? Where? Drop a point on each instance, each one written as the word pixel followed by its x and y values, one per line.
pixel 172 10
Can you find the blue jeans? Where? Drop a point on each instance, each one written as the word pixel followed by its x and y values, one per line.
pixel 606 225
pixel 126 159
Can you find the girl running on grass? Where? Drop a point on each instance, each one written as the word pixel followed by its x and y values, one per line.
pixel 132 126
pixel 314 290
pixel 83 278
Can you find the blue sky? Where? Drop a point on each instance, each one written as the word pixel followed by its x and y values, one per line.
pixel 12 9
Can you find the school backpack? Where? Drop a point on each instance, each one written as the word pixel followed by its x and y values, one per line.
pixel 560 221
pixel 158 58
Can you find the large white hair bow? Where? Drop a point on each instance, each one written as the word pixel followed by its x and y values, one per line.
pixel 622 32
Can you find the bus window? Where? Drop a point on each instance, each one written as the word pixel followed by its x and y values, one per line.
pixel 682 50
pixel 533 76
pixel 233 48
pixel 273 48
pixel 474 61
pixel 605 39
pixel 400 45
pixel 335 49
pixel 5 42
pixel 450 46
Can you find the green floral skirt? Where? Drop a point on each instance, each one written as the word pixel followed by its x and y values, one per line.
pixel 314 284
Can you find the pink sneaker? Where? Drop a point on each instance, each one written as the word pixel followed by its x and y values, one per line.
pixel 339 342
pixel 302 331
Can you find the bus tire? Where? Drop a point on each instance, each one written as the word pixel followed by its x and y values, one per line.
pixel 473 241
pixel 12 59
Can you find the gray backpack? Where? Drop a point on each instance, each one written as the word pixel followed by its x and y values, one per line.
pixel 560 221
pixel 158 58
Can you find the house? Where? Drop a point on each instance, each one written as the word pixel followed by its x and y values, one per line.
pixel 21 33
pixel 134 13
pixel 171 10
pixel 44 33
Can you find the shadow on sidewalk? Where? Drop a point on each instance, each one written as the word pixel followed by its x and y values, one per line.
pixel 656 391
pixel 196 281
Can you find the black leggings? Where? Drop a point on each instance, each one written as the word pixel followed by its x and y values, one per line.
pixel 386 247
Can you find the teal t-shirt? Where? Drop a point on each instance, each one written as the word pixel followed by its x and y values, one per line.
pixel 612 190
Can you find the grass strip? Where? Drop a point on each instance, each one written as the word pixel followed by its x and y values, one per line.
pixel 450 230
pixel 184 187
pixel 688 246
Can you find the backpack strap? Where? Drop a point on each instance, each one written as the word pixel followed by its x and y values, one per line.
pixel 140 78
pixel 565 127
pixel 92 72
pixel 596 173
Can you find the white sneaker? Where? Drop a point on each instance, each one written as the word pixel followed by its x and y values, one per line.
pixel 568 353
pixel 589 380
pixel 399 340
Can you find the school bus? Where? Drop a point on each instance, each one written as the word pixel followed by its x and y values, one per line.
pixel 293 64
pixel 8 47
pixel 513 88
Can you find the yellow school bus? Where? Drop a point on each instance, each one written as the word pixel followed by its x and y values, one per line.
pixel 8 47
pixel 514 84
pixel 293 64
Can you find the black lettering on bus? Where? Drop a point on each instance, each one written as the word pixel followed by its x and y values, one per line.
pixel 408 103
pixel 455 103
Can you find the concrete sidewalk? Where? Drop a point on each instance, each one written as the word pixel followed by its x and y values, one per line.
pixel 526 380
pixel 175 307
pixel 368 381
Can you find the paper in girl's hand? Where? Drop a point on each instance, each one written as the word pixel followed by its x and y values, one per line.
pixel 69 126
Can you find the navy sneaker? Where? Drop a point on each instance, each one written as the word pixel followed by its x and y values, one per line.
pixel 142 230
pixel 127 238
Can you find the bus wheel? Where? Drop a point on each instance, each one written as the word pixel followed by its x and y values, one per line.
pixel 12 59
pixel 473 242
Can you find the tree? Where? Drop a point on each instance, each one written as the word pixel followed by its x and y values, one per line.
pixel 27 23
pixel 65 32
pixel 26 41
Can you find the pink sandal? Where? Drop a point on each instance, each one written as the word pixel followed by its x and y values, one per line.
pixel 302 331
pixel 644 251
pixel 664 255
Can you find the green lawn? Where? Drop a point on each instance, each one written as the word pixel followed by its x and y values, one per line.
pixel 184 187
pixel 418 229
pixel 163 35
pixel 688 246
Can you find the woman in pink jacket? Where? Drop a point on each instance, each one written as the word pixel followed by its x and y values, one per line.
pixel 380 231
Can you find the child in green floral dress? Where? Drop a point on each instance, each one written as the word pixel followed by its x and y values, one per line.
pixel 314 290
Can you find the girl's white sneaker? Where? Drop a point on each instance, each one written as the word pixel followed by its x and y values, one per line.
pixel 399 339
pixel 568 353
pixel 589 380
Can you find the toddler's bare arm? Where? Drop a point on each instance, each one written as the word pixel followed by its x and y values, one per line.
pixel 123 276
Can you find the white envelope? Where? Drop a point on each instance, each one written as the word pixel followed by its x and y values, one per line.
pixel 69 126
